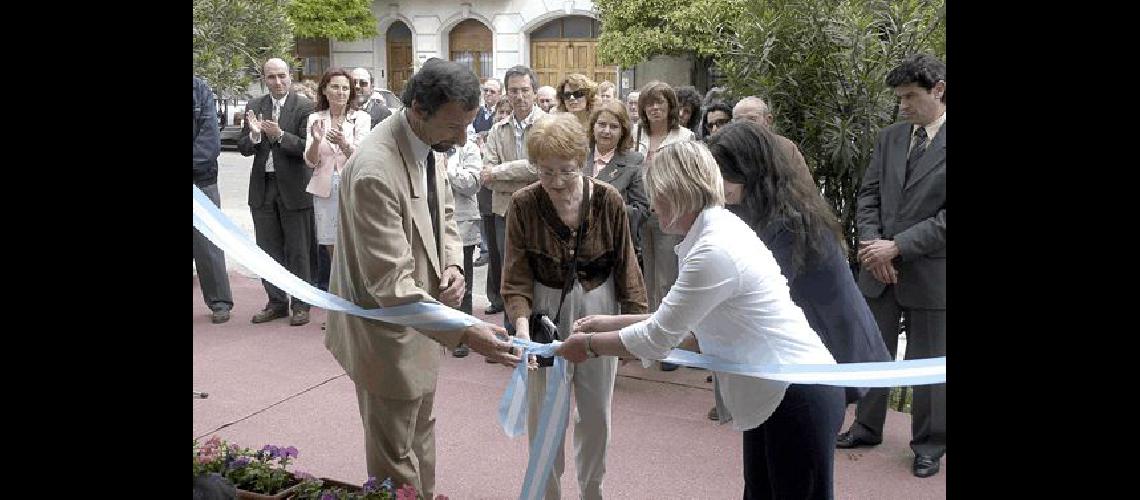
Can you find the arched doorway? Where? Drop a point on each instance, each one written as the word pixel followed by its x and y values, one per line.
pixel 568 45
pixel 470 44
pixel 400 65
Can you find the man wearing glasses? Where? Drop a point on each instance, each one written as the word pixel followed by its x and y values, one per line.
pixel 506 168
pixel 492 92
pixel 362 80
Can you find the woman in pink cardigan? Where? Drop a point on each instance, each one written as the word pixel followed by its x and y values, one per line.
pixel 335 130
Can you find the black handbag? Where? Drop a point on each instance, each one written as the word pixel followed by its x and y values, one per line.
pixel 545 332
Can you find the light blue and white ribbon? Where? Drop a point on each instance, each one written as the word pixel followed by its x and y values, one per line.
pixel 554 417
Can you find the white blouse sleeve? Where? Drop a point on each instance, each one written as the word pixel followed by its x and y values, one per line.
pixel 313 117
pixel 363 126
pixel 708 276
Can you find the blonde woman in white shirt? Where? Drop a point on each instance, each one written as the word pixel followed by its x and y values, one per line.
pixel 335 130
pixel 731 294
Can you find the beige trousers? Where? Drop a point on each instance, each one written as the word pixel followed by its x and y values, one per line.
pixel 399 440
pixel 592 384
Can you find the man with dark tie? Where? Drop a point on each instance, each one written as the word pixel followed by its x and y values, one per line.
pixel 399 244
pixel 902 252
pixel 274 134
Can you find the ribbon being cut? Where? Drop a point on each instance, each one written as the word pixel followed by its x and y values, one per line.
pixel 220 230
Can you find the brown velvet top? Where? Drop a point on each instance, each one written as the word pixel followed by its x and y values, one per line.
pixel 539 246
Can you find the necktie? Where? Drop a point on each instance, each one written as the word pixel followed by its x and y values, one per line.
pixel 432 199
pixel 917 151
pixel 276 109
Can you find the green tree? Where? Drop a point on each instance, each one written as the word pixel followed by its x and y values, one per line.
pixel 232 38
pixel 345 20
pixel 820 64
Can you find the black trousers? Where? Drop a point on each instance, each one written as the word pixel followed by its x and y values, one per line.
pixel 925 338
pixel 792 454
pixel 495 262
pixel 468 277
pixel 288 237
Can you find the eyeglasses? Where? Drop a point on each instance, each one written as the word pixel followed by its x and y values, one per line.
pixel 577 94
pixel 564 175
pixel 360 83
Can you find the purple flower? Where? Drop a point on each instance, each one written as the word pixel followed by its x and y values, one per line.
pixel 386 485
pixel 270 451
pixel 370 486
pixel 289 452
pixel 239 462
pixel 328 496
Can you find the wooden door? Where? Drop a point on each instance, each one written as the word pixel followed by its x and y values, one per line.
pixel 400 66
pixel 553 59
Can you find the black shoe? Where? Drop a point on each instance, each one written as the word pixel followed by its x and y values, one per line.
pixel 480 262
pixel 713 415
pixel 925 466
pixel 668 367
pixel 268 315
pixel 494 309
pixel 849 440
pixel 300 317
pixel 220 316
pixel 461 352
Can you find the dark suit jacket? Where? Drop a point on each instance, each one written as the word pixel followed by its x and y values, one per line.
pixel 378 111
pixel 484 118
pixel 288 161
pixel 826 292
pixel 624 173
pixel 913 215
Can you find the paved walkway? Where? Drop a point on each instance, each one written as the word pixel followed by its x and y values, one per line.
pixel 276 384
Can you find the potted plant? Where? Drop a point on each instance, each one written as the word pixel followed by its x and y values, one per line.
pixel 312 488
pixel 257 475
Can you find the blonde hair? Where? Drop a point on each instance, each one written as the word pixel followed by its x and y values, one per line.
pixel 579 82
pixel 607 85
pixel 557 136
pixel 686 174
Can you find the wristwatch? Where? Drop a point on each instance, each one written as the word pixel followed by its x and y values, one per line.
pixel 589 348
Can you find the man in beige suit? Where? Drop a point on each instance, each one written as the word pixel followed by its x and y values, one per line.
pixel 506 168
pixel 399 245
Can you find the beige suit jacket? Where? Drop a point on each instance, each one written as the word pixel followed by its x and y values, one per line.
pixel 510 170
pixel 385 257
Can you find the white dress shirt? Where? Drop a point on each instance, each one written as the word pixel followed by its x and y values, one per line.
pixel 420 151
pixel 731 295
pixel 255 137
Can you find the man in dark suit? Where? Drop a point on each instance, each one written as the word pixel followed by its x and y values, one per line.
pixel 375 108
pixel 492 92
pixel 902 232
pixel 274 134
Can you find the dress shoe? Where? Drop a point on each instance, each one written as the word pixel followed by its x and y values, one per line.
pixel 668 367
pixel 713 415
pixel 461 352
pixel 220 316
pixel 494 309
pixel 299 318
pixel 268 315
pixel 849 440
pixel 925 466
pixel 480 262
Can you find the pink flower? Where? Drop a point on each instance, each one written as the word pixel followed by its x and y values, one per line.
pixel 214 441
pixel 406 492
pixel 441 497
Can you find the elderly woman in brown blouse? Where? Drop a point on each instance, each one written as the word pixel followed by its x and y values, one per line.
pixel 542 224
